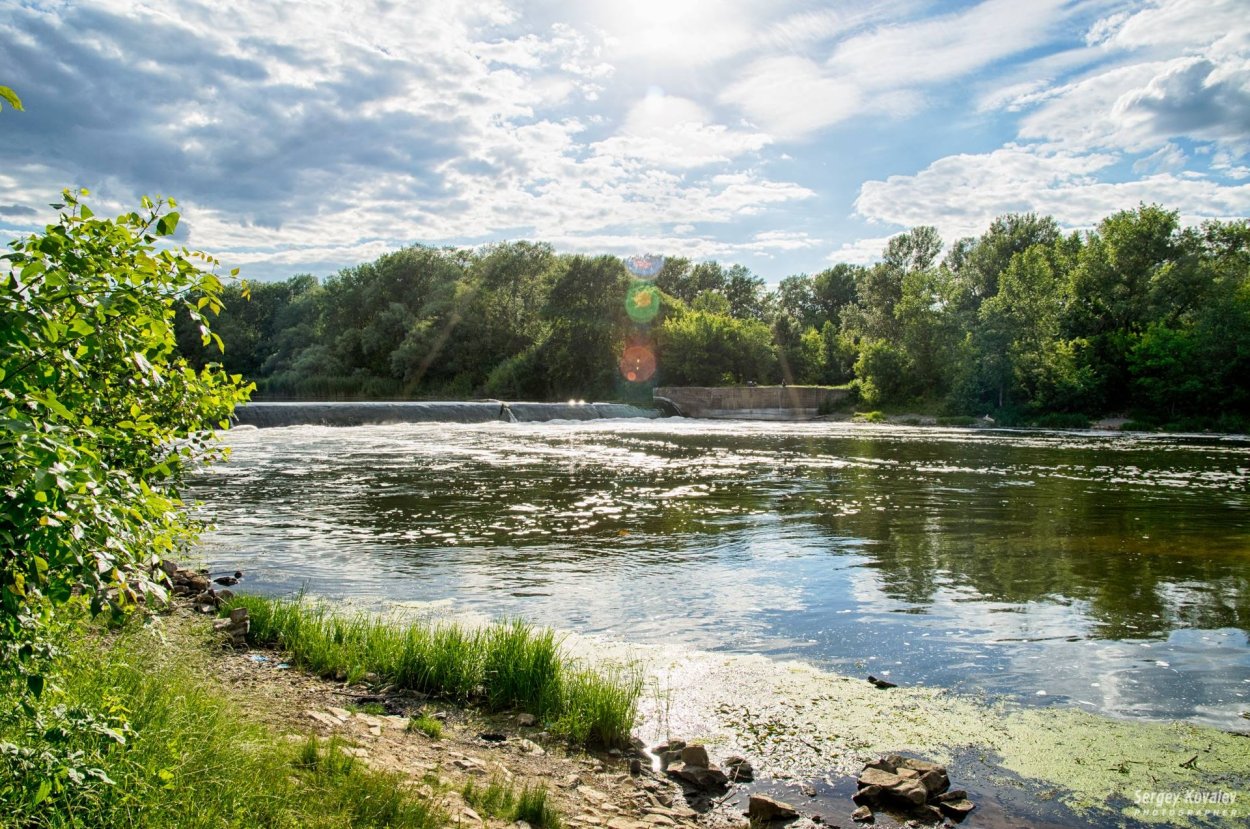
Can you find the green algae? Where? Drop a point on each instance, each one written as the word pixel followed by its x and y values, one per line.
pixel 795 722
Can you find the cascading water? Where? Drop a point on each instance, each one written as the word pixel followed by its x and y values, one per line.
pixel 268 414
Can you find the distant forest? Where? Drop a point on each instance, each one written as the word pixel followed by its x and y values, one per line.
pixel 1139 317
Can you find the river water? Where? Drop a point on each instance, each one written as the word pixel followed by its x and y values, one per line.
pixel 1106 572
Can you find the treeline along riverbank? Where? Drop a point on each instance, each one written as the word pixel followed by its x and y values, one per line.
pixel 1139 316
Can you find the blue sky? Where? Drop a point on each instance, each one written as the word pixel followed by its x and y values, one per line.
pixel 785 135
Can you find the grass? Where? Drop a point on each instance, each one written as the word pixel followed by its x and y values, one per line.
pixel 501 800
pixel 132 732
pixel 869 417
pixel 505 666
pixel 427 725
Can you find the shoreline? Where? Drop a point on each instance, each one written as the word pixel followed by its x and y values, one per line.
pixel 808 731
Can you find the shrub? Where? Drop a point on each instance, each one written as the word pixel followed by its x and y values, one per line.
pixel 101 416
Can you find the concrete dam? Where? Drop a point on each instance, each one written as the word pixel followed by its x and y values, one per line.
pixel 275 414
pixel 749 402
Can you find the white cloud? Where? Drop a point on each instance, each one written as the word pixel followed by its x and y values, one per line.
pixel 793 96
pixel 860 252
pixel 885 69
pixel 676 132
pixel 962 194
pixel 946 47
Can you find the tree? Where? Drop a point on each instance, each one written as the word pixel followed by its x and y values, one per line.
pixel 99 415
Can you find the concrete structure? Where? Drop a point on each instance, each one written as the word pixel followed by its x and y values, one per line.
pixel 749 402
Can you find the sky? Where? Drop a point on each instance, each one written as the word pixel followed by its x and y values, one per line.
pixel 784 135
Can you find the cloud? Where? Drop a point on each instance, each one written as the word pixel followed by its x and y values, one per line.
pixel 1190 97
pixel 962 194
pixel 793 96
pixel 676 132
pixel 885 69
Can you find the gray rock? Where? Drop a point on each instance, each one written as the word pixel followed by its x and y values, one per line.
pixel 526 720
pixel 763 808
pixel 739 769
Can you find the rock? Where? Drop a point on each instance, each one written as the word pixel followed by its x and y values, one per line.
pixel 324 719
pixel 894 786
pixel 705 778
pixel 807 789
pixel 223 595
pixel 526 720
pixel 226 581
pixel 957 809
pixel 763 808
pixel 880 683
pixel 635 767
pixel 932 775
pixel 492 737
pixel 953 794
pixel 695 755
pixel 238 614
pixel 868 794
pixel 342 713
pixel 530 747
pixel 739 769
pixel 862 815
pixel 169 567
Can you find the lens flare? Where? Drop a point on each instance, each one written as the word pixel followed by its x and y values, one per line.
pixel 644 266
pixel 642 302
pixel 637 364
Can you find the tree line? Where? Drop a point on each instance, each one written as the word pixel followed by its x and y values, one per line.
pixel 1139 315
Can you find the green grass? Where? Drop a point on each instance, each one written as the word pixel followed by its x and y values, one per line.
pixel 501 800
pixel 427 725
pixel 375 709
pixel 504 666
pixel 132 732
pixel 869 417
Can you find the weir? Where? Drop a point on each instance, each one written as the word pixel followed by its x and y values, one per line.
pixel 273 414
pixel 749 402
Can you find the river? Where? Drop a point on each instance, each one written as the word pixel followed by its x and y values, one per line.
pixel 1105 572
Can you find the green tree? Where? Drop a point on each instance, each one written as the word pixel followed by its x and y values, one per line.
pixel 99 415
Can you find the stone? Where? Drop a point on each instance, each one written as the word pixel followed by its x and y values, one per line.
pixel 862 815
pixel 957 809
pixel 526 720
pixel 894 786
pixel 635 767
pixel 739 769
pixel 695 755
pixel 763 808
pixel 530 747
pixel 324 719
pixel 226 581
pixel 867 795
pixel 238 614
pixel 225 594
pixel 807 789
pixel 932 775
pixel 953 794
pixel 705 778
pixel 342 713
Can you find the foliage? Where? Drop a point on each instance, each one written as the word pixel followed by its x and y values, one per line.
pixel 99 415
pixel 1138 315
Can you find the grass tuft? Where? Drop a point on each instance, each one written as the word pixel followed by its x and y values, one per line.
pixel 427 725
pixel 501 800
pixel 506 666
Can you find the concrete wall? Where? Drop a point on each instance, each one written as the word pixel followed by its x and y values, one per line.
pixel 750 402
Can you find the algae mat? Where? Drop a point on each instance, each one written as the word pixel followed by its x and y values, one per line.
pixel 795 722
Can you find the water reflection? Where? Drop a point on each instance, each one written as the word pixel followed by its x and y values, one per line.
pixel 1110 572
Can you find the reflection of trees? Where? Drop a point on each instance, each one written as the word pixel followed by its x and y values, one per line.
pixel 1144 564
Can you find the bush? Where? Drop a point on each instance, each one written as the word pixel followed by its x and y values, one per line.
pixel 101 416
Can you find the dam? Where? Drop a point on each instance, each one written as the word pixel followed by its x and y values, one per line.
pixel 749 402
pixel 275 414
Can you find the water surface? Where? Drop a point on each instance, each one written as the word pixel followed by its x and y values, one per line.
pixel 1108 572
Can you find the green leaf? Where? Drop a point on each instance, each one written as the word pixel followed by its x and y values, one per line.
pixel 34 683
pixel 11 96
pixel 166 224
